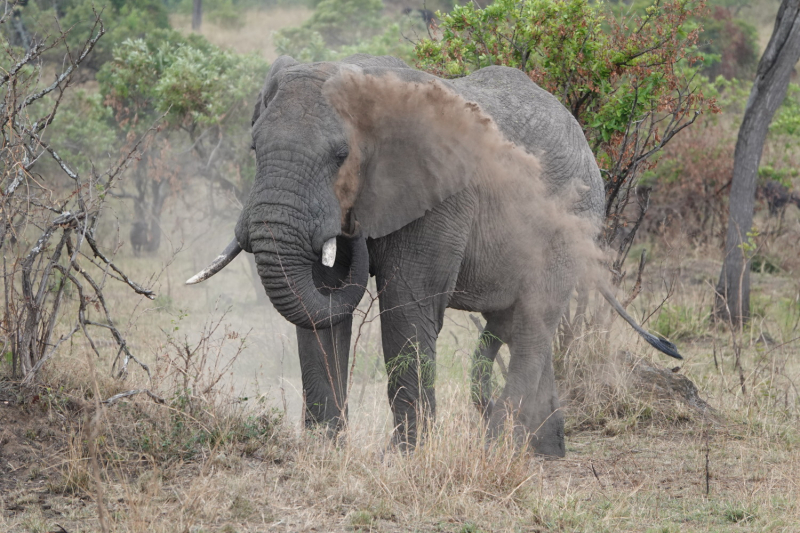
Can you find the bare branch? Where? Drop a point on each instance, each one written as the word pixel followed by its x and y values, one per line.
pixel 135 286
pixel 127 394
pixel 65 76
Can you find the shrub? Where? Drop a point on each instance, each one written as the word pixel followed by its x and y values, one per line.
pixel 691 185
pixel 194 82
pixel 692 180
pixel 123 19
pixel 336 23
pixel 787 119
pixel 629 81
pixel 681 322
pixel 51 213
pixel 197 410
pixel 204 94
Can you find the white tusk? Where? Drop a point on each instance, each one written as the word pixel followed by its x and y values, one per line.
pixel 227 255
pixel 329 252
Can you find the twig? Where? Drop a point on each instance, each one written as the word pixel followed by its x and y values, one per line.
pixel 127 394
pixel 88 47
pixel 135 286
pixel 708 474
pixel 102 510
pixel 637 287
pixel 596 476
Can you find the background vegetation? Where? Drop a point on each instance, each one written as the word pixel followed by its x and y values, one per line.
pixel 204 435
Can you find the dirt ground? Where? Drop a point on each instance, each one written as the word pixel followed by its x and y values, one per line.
pixel 32 444
pixel 652 479
pixel 649 459
pixel 638 459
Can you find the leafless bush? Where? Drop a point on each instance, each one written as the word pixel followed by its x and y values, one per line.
pixel 191 411
pixel 193 372
pixel 55 265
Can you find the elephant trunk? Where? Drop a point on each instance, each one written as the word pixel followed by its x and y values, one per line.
pixel 306 292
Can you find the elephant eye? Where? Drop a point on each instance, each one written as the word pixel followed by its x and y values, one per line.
pixel 341 155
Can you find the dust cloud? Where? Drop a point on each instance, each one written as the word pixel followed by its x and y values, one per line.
pixel 441 134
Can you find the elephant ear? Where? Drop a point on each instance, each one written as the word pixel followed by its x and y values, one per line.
pixel 413 143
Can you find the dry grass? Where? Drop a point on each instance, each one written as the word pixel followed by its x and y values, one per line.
pixel 208 460
pixel 254 34
pixel 650 478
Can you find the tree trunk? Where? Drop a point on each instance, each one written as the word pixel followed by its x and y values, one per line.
pixel 769 89
pixel 197 15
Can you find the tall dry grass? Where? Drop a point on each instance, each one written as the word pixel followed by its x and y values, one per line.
pixel 635 461
pixel 211 460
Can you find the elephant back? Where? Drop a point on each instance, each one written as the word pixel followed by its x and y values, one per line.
pixel 368 61
pixel 533 118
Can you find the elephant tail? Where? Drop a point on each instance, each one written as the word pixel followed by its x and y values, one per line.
pixel 659 343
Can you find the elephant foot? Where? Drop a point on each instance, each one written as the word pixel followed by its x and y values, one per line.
pixel 412 429
pixel 545 436
pixel 405 440
pixel 548 437
pixel 399 446
pixel 332 428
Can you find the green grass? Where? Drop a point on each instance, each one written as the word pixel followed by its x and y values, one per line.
pixel 681 322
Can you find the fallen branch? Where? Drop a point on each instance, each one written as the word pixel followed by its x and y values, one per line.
pixel 114 399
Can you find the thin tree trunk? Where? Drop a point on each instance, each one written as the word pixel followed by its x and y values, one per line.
pixel 769 90
pixel 197 15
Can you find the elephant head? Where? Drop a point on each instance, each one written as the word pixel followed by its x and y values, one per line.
pixel 346 153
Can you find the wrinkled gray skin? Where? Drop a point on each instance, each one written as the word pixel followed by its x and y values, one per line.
pixel 460 253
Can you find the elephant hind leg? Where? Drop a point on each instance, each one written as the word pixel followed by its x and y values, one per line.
pixel 529 404
pixel 490 341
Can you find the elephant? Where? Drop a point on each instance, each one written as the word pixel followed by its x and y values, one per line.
pixel 138 236
pixel 478 193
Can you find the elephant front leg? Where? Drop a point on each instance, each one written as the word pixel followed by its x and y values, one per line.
pixel 416 269
pixel 324 356
pixel 409 328
pixel 410 357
